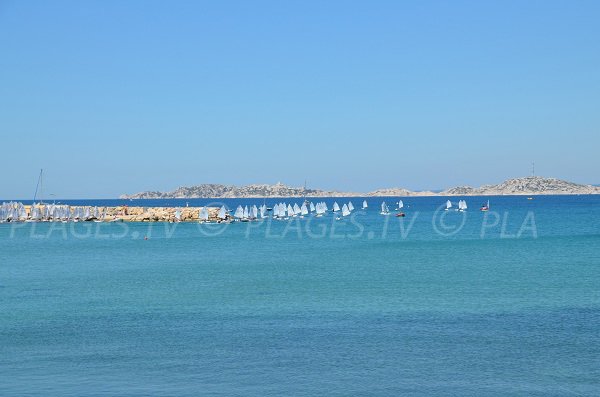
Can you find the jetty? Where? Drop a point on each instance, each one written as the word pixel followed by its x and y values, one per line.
pixel 18 212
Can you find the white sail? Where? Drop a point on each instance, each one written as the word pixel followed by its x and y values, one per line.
pixel 290 210
pixel 303 209
pixel 336 207
pixel 178 214
pixel 297 210
pixel 350 206
pixel 34 213
pixel 320 209
pixel 312 207
pixel 384 209
pixel 400 204
pixel 345 210
pixel 239 212
pixel 246 213
pixel 448 204
pixel 222 213
pixel 203 215
pixel 365 205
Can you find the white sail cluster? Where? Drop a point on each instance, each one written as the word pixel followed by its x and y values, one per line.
pixel 251 213
pixel 17 212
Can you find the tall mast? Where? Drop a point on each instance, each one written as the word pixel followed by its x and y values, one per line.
pixel 38 186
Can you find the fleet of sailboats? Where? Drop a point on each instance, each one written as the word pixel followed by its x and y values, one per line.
pixel 38 212
pixel 17 212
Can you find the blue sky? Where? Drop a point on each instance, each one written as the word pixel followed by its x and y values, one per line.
pixel 114 97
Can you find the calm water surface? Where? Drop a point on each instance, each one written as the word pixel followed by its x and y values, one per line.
pixel 433 304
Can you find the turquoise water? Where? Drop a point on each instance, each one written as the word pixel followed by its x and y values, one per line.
pixel 436 303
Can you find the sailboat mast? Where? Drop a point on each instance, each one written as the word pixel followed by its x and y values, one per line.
pixel 37 187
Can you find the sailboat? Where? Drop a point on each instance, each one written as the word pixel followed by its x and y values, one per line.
pixel 312 207
pixel 320 209
pixel 448 205
pixel 400 205
pixel 177 215
pixel 239 213
pixel 222 215
pixel 384 209
pixel 345 210
pixel 303 210
pixel 203 215
pixel 485 207
pixel 365 205
pixel 262 211
pixel 336 207
pixel 462 205
pixel 350 206
pixel 246 214
pixel 297 210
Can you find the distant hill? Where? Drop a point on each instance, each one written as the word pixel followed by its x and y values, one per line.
pixel 533 185
pixel 518 186
pixel 230 191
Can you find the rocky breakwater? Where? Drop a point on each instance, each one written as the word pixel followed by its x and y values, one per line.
pixel 159 214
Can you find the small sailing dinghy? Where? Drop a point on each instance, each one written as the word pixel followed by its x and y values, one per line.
pixel 365 205
pixel 203 215
pixel 297 210
pixel 384 209
pixel 336 207
pixel 303 210
pixel 485 207
pixel 345 210
pixel 222 215
pixel 448 205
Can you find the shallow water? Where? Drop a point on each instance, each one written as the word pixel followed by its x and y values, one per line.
pixel 436 303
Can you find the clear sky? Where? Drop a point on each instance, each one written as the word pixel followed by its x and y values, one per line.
pixel 114 97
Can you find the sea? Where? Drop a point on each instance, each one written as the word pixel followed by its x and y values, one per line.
pixel 435 303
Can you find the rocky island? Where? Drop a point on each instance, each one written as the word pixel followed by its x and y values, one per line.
pixel 533 185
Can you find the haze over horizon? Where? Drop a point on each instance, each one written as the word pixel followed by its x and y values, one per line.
pixel 113 98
